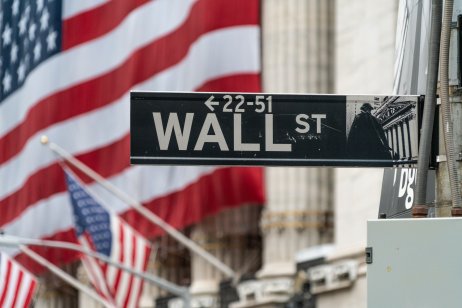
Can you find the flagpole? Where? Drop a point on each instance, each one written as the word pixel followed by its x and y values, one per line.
pixel 191 245
pixel 166 285
pixel 64 276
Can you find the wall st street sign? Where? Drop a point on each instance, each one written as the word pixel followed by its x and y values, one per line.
pixel 273 129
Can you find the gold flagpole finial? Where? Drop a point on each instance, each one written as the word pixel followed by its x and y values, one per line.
pixel 44 139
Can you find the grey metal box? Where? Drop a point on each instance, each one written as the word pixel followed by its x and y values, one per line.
pixel 415 263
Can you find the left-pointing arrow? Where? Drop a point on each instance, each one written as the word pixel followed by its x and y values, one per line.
pixel 210 103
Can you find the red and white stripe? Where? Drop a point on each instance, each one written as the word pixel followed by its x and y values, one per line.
pixel 17 286
pixel 79 98
pixel 129 248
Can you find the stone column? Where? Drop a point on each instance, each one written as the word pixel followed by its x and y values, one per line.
pixel 170 261
pixel 205 278
pixel 227 236
pixel 297 58
pixel 296 217
pixel 53 292
pixel 49 298
pixel 297 46
pixel 84 299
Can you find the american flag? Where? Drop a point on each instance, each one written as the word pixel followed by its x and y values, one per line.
pixel 109 235
pixel 66 71
pixel 17 286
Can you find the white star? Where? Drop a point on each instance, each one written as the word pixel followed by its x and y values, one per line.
pixel 14 53
pixel 44 20
pixel 6 35
pixel 22 24
pixel 21 71
pixel 32 30
pixel 37 51
pixel 51 40
pixel 26 42
pixel 27 12
pixel 15 7
pixel 6 82
pixel 27 60
pixel 39 5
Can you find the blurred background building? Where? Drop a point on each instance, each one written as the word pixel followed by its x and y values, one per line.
pixel 344 47
pixel 315 214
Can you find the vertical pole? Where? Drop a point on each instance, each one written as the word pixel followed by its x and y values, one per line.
pixel 419 208
pixel 449 113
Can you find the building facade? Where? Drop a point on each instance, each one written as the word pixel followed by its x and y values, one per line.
pixel 307 244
